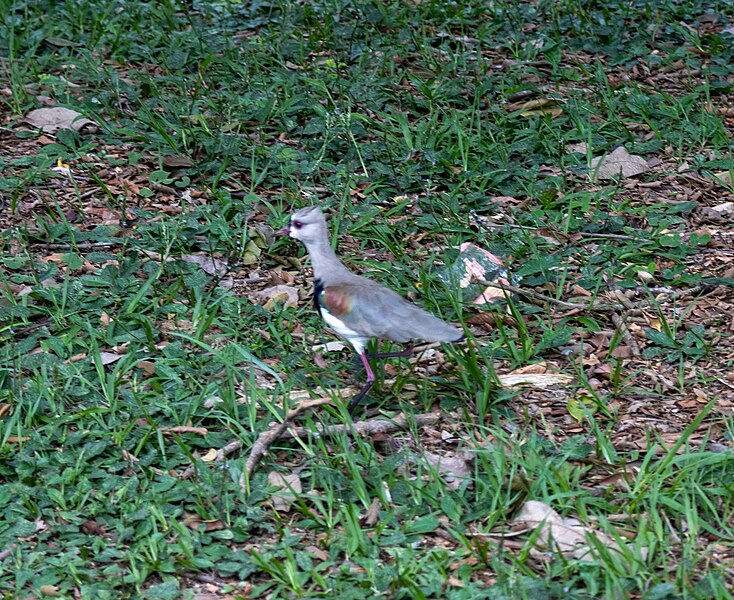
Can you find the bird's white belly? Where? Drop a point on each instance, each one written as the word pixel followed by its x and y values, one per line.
pixel 354 338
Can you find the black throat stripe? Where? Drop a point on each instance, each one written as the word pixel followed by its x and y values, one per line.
pixel 318 288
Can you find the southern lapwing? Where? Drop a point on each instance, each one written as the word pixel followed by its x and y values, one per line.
pixel 358 308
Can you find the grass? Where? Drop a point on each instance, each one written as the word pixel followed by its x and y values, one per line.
pixel 133 344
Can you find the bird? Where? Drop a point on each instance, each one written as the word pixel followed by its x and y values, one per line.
pixel 357 308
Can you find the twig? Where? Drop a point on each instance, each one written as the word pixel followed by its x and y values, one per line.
pixel 369 427
pixel 621 324
pixel 607 236
pixel 81 245
pixel 542 299
pixel 218 457
pixel 264 441
pixel 275 431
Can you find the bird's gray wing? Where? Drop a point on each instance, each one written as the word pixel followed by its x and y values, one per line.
pixel 379 312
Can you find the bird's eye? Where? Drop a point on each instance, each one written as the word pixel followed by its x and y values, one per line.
pixel 297 224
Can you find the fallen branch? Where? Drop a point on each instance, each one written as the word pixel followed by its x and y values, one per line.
pixel 369 427
pixel 283 429
pixel 275 431
pixel 596 306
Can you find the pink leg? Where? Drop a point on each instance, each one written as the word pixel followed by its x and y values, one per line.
pixel 366 388
pixel 366 363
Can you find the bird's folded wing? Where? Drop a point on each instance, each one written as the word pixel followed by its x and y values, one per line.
pixel 376 311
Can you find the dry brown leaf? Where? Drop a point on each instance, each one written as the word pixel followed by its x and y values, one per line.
pixel 193 521
pixel 148 366
pixel 109 357
pixel 17 440
pixel 176 429
pixel 536 380
pixel 210 456
pixel 210 266
pixel 287 486
pixel 177 161
pixel 51 120
pixel 579 148
pixel 373 513
pixel 53 258
pixel 454 467
pixel 724 209
pixel 334 346
pixel 619 163
pixel 276 294
pixel 723 177
pixel 567 536
pixel 49 590
pixel 91 527
pixel 319 553
pixel 541 106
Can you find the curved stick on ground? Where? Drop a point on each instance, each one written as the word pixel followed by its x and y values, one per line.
pixel 274 432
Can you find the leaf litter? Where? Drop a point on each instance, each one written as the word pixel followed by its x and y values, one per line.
pixel 652 399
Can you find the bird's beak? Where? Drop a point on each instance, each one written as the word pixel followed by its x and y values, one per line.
pixel 285 231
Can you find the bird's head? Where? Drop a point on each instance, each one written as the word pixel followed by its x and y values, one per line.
pixel 307 225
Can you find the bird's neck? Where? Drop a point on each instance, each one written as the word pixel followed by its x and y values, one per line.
pixel 324 261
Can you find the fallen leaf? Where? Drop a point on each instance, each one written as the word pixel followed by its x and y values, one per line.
pixel 184 429
pixel 192 521
pixel 212 401
pixel 91 527
pixel 148 366
pixel 49 590
pixel 578 148
pixel 579 406
pixel 541 106
pixel 210 266
pixel 536 380
pixel 251 254
pixel 210 456
pixel 723 177
pixel 320 361
pixel 54 258
pixel 109 357
pixel 454 467
pixel 285 294
pixel 619 163
pixel 319 553
pixel 51 120
pixel 262 235
pixel 335 346
pixel 286 486
pixel 567 536
pixel 727 208
pixel 373 513
pixel 177 161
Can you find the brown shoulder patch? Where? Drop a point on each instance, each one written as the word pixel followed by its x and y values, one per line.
pixel 336 301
